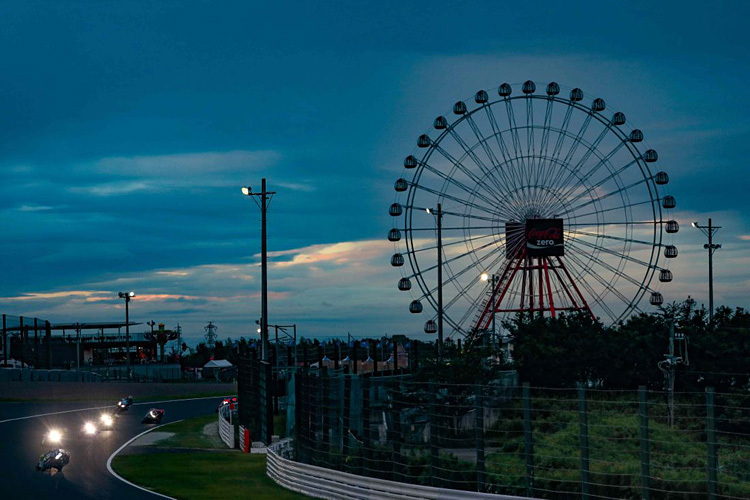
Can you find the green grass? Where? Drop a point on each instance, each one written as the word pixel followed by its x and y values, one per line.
pixel 203 475
pixel 189 434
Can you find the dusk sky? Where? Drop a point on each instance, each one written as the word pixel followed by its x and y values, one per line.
pixel 128 128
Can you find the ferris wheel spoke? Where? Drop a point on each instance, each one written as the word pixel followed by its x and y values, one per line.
pixel 573 181
pixel 452 180
pixel 615 270
pixel 611 290
pixel 616 238
pixel 455 276
pixel 474 157
pixel 483 142
pixel 451 243
pixel 576 141
pixel 615 254
pixel 507 157
pixel 468 172
pixel 447 196
pixel 544 144
pixel 444 228
pixel 629 206
pixel 455 258
pixel 612 175
pixel 530 150
pixel 614 192
pixel 613 223
pixel 472 282
pixel 513 129
pixel 597 299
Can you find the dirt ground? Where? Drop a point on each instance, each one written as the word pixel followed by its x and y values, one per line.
pixel 97 391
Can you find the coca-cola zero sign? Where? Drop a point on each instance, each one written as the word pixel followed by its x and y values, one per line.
pixel 544 237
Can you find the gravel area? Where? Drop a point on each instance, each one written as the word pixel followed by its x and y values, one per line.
pixel 104 391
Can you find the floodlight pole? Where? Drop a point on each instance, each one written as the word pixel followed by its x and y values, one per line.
pixel 127 296
pixel 265 198
pixel 711 247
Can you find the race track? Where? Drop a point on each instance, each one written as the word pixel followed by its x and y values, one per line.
pixel 22 430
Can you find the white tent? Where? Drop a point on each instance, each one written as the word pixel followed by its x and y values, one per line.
pixel 218 363
pixel 213 367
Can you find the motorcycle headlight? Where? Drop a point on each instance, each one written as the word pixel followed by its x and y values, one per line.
pixel 106 420
pixel 54 436
pixel 89 428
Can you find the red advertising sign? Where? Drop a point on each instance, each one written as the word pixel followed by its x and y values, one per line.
pixel 544 237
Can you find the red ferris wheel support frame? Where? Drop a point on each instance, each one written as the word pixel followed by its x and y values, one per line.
pixel 536 288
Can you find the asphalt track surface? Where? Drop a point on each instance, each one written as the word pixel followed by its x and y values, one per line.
pixel 86 476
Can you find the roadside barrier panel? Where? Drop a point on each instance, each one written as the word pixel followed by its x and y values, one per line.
pixel 320 482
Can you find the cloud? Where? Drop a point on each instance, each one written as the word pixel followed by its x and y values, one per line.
pixel 744 237
pixel 114 188
pixel 337 253
pixel 186 164
pixel 33 208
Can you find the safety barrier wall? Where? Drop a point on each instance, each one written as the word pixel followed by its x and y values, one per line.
pixel 226 427
pixel 320 482
pixel 29 375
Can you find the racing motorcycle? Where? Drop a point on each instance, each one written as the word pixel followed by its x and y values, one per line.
pixel 53 459
pixel 124 404
pixel 153 416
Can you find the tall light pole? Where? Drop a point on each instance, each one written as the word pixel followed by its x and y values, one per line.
pixel 494 279
pixel 262 199
pixel 711 247
pixel 439 216
pixel 127 296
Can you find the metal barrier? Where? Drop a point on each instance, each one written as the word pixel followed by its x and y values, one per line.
pixel 320 482
pixel 226 426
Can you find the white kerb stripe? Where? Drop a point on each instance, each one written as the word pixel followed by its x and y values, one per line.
pixel 118 450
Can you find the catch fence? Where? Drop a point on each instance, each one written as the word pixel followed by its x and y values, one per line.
pixel 514 439
pixel 25 340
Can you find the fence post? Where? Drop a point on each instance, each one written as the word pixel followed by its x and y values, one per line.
pixel 643 424
pixel 325 416
pixel 434 453
pixel 346 424
pixel 367 438
pixel 479 435
pixel 584 437
pixel 711 441
pixel 396 429
pixel 528 440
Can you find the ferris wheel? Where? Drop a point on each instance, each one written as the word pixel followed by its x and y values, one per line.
pixel 531 202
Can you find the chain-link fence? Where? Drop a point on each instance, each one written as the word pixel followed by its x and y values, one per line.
pixel 25 342
pixel 521 440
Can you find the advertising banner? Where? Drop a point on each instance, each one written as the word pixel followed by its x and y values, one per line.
pixel 544 237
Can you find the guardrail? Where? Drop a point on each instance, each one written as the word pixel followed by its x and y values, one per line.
pixel 226 427
pixel 320 482
pixel 33 375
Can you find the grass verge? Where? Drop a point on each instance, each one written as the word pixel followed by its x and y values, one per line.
pixel 189 434
pixel 203 475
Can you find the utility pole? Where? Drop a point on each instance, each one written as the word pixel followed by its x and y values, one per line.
pixel 711 247
pixel 669 368
pixel 439 216
pixel 263 201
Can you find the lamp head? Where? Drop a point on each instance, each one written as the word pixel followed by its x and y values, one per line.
pixel 694 224
pixel 484 276
pixel 247 190
pixel 429 211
